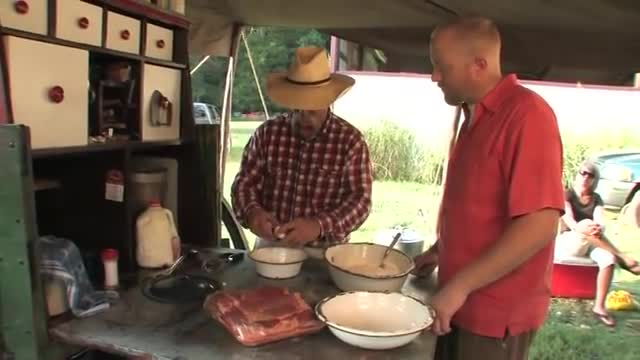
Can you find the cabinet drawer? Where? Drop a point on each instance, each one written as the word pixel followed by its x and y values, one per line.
pixel 79 21
pixel 123 33
pixel 159 42
pixel 160 103
pixel 25 15
pixel 49 91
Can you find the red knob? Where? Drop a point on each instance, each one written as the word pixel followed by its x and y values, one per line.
pixel 83 22
pixel 124 34
pixel 56 94
pixel 160 44
pixel 22 7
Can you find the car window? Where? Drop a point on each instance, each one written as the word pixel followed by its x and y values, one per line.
pixel 200 115
pixel 214 112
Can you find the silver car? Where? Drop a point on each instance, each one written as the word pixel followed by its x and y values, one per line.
pixel 205 113
pixel 619 177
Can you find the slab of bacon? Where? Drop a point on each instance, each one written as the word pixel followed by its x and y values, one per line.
pixel 262 315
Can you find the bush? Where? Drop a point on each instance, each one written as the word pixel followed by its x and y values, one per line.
pixel 396 155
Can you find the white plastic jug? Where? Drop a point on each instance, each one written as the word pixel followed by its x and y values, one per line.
pixel 158 243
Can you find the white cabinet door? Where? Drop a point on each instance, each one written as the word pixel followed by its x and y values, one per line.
pixel 49 91
pixel 166 82
pixel 25 15
pixel 79 21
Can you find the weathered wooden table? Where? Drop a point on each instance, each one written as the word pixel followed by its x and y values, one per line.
pixel 141 328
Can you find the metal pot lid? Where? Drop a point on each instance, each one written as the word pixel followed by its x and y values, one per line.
pixel 410 236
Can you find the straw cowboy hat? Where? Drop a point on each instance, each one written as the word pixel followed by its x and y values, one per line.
pixel 308 84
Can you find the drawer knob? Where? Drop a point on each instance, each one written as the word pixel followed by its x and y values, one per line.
pixel 125 35
pixel 56 94
pixel 83 22
pixel 160 44
pixel 21 7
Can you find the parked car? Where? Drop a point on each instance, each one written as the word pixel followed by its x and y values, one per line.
pixel 619 176
pixel 205 113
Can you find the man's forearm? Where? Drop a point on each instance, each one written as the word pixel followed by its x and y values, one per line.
pixel 523 238
pixel 343 220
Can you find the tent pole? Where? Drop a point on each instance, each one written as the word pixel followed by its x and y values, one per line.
pixel 255 75
pixel 204 59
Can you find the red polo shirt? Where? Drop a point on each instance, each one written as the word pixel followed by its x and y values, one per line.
pixel 507 163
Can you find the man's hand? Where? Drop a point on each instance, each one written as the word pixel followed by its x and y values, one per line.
pixel 262 223
pixel 446 303
pixel 425 263
pixel 299 232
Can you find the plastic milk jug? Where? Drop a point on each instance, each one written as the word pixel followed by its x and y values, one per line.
pixel 158 242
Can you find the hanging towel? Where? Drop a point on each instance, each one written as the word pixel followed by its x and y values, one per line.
pixel 61 259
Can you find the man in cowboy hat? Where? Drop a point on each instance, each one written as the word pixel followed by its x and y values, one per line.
pixel 305 176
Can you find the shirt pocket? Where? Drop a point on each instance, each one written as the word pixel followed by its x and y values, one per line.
pixel 324 186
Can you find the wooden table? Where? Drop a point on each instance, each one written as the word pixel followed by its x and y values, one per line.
pixel 138 327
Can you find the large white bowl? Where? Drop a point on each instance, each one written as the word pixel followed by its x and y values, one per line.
pixel 374 320
pixel 347 262
pixel 278 262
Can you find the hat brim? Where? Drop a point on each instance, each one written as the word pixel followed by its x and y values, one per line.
pixel 307 97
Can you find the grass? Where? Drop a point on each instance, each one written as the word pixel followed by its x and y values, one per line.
pixel 571 332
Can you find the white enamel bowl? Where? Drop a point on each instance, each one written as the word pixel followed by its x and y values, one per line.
pixel 353 267
pixel 374 320
pixel 278 262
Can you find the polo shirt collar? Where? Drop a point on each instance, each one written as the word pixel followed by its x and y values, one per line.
pixel 499 93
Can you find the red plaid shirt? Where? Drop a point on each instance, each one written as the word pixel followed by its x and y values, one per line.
pixel 327 177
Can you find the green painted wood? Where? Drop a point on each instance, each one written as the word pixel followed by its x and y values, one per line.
pixel 21 301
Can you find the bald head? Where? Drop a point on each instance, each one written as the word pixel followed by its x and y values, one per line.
pixel 465 54
pixel 476 35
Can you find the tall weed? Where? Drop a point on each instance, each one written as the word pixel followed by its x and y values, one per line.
pixel 397 155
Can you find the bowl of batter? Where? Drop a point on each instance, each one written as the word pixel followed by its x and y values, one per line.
pixel 356 267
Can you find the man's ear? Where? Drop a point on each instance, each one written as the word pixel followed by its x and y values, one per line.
pixel 480 62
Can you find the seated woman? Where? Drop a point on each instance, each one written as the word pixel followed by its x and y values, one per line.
pixel 583 235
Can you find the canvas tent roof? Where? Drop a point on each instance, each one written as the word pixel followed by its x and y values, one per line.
pixel 593 41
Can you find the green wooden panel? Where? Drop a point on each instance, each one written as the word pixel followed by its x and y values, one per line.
pixel 21 300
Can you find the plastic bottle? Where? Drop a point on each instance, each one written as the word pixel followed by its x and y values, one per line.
pixel 110 261
pixel 158 243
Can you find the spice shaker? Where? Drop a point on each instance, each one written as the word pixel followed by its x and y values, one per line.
pixel 110 261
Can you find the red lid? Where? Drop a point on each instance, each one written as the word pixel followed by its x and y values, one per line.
pixel 109 254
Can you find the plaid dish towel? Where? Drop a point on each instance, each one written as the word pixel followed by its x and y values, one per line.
pixel 61 259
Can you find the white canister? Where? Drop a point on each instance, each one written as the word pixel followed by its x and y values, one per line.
pixel 110 262
pixel 178 6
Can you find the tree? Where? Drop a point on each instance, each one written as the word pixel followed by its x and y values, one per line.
pixel 271 50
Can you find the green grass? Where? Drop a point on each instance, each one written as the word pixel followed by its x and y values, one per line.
pixel 571 332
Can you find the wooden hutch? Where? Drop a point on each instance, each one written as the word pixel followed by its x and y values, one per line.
pixel 99 86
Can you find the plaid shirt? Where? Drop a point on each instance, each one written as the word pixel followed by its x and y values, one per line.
pixel 327 177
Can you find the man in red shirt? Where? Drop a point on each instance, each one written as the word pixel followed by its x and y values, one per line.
pixel 305 176
pixel 502 201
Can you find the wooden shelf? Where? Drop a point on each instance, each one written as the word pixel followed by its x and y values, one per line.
pixel 108 146
pixel 139 8
pixel 95 49
pixel 45 184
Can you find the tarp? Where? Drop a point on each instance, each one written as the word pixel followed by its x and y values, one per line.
pixel 592 41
